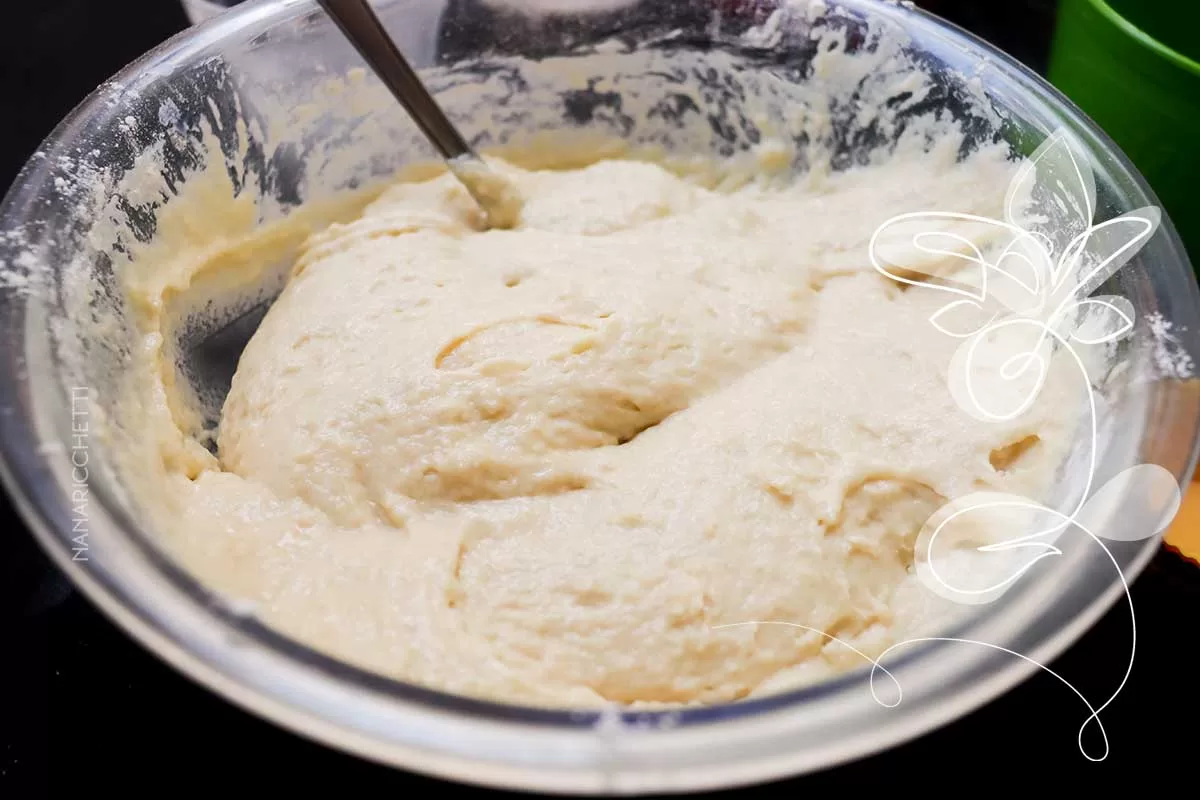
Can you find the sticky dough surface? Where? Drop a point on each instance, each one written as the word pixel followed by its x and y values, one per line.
pixel 572 461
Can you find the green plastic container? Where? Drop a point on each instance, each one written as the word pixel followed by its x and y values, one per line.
pixel 1133 66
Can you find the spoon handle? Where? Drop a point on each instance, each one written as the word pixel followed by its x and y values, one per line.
pixel 362 27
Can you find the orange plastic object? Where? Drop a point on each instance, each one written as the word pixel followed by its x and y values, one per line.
pixel 1184 533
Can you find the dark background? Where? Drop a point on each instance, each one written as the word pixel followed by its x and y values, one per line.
pixel 81 706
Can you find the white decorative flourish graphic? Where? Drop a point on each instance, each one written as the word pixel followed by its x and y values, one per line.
pixel 1015 303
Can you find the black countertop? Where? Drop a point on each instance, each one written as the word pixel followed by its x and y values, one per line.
pixel 82 706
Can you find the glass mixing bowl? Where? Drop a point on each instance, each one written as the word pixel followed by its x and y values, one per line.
pixel 223 90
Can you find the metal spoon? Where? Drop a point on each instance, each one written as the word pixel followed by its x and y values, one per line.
pixel 494 194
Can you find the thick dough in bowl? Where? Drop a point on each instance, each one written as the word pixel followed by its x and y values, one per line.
pixel 656 443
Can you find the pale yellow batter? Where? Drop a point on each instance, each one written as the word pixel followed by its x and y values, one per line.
pixel 568 462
